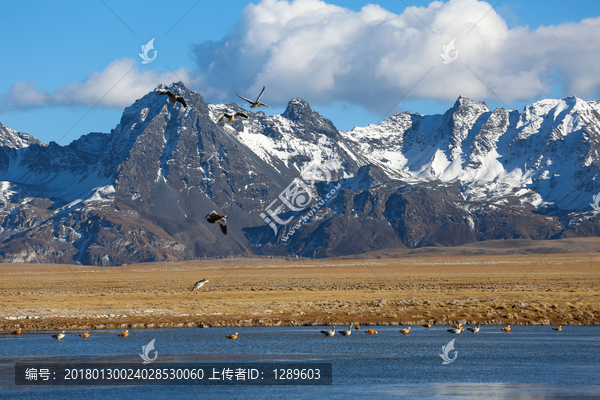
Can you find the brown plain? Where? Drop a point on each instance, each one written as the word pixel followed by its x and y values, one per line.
pixel 522 289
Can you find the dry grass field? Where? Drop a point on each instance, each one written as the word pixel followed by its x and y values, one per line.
pixel 501 289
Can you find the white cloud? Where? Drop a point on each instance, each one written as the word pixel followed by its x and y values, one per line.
pixel 325 53
pixel 130 85
pixel 328 54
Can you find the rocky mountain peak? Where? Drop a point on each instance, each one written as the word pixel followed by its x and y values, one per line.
pixel 16 140
pixel 296 109
pixel 307 119
pixel 464 104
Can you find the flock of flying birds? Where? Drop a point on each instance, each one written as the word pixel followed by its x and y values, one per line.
pixel 173 98
pixel 213 216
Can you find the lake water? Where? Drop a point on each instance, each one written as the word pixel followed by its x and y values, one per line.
pixel 530 362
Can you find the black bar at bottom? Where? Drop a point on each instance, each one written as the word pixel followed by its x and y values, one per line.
pixel 113 374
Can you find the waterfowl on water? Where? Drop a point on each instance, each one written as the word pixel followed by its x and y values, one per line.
pixel 59 336
pixel 329 333
pixel 348 332
pixel 474 329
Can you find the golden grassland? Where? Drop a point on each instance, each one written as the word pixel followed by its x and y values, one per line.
pixel 561 289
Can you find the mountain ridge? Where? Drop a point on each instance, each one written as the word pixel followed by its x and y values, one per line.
pixel 140 192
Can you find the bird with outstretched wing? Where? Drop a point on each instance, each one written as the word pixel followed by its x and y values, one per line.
pixel 173 98
pixel 256 103
pixel 231 116
pixel 213 217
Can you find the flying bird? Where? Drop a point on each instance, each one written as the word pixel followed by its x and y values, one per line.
pixel 213 217
pixel 454 330
pixel 199 284
pixel 427 326
pixel 231 116
pixel 329 333
pixel 124 334
pixel 348 332
pixel 405 331
pixel 234 336
pixel 557 329
pixel 474 329
pixel 256 103
pixel 59 336
pixel 371 331
pixel 506 328
pixel 173 98
pixel 85 335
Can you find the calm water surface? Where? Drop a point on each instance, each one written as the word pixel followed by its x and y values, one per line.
pixel 527 363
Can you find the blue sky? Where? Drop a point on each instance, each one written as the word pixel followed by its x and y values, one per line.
pixel 52 46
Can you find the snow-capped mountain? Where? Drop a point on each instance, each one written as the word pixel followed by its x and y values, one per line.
pixel 550 151
pixel 140 193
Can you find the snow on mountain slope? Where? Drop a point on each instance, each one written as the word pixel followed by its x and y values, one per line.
pixel 551 148
pixel 488 151
pixel 286 139
pixel 15 140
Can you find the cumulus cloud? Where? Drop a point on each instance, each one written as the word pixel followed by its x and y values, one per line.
pixel 325 53
pixel 117 86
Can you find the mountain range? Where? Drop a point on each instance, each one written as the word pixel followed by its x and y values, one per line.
pixel 141 192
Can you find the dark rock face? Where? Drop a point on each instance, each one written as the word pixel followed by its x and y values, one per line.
pixel 308 122
pixel 141 192
pixel 137 194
